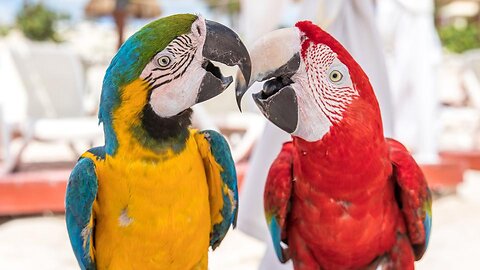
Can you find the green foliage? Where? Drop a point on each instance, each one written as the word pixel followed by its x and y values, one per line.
pixel 225 6
pixel 233 6
pixel 37 22
pixel 4 29
pixel 460 39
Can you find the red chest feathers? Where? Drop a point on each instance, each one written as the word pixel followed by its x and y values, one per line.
pixel 345 209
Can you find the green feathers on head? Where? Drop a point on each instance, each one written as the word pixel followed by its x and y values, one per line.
pixel 139 49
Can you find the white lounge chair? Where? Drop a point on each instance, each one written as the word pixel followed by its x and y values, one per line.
pixel 53 83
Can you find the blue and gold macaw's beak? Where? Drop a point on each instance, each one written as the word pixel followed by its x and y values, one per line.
pixel 275 60
pixel 221 45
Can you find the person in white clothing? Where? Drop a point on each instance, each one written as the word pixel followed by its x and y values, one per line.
pixel 413 52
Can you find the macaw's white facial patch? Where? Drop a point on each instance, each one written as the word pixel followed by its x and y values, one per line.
pixel 324 91
pixel 171 91
pixel 270 52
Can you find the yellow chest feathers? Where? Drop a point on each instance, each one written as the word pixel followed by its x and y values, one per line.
pixel 152 214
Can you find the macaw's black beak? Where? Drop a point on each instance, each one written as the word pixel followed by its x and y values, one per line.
pixel 278 103
pixel 221 45
pixel 275 59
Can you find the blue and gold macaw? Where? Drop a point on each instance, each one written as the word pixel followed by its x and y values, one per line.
pixel 158 194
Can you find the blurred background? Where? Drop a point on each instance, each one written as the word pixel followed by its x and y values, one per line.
pixel 422 56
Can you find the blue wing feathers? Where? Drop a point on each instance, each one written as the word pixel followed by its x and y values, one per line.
pixel 276 232
pixel 427 222
pixel 221 151
pixel 98 152
pixel 81 193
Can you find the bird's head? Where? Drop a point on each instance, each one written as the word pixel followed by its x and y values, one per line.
pixel 311 82
pixel 164 69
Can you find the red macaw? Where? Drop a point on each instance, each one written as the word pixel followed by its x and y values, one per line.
pixel 340 195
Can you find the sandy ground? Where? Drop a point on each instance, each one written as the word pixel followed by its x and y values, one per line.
pixel 42 242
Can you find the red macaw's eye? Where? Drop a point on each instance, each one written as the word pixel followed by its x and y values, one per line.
pixel 335 76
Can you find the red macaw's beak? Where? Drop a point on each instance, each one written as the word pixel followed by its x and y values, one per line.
pixel 275 59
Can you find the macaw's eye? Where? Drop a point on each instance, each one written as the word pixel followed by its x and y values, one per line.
pixel 163 61
pixel 335 76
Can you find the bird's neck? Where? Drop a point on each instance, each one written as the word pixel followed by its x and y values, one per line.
pixel 140 132
pixel 342 145
pixel 159 133
pixel 350 155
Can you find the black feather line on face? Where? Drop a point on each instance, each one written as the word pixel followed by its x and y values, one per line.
pixel 178 75
pixel 149 76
